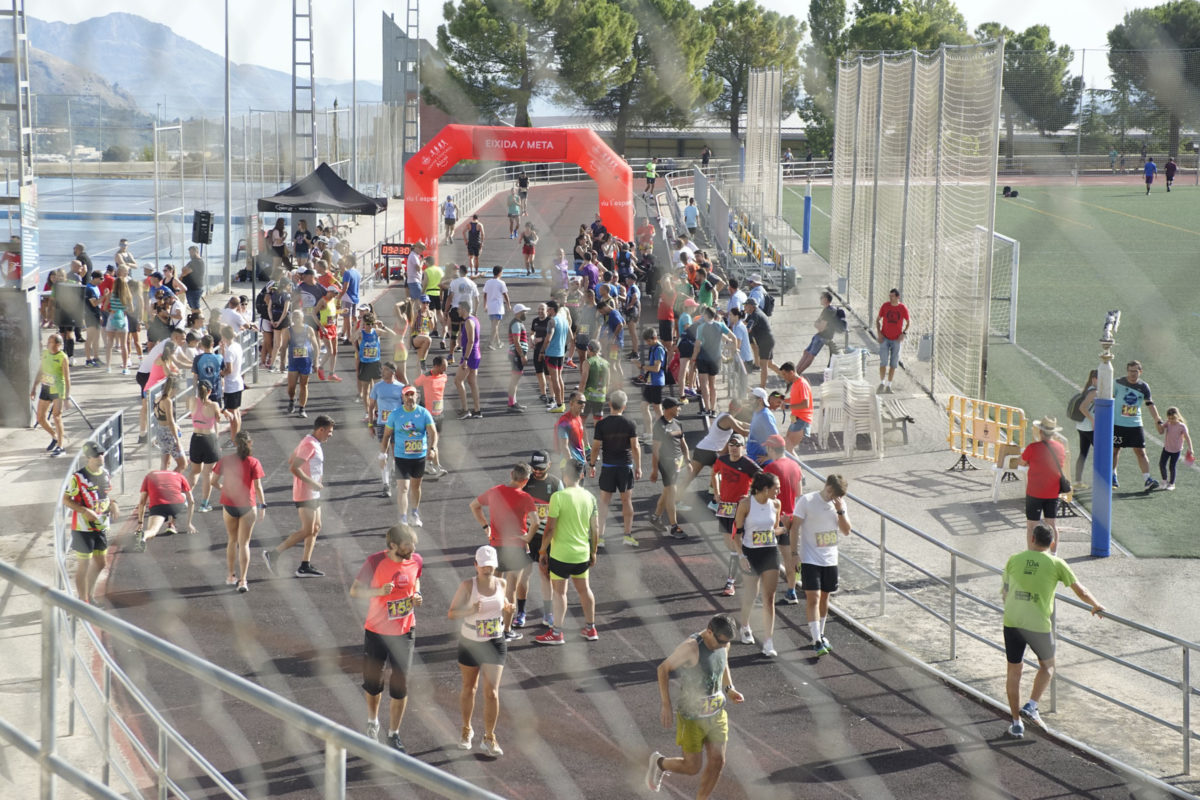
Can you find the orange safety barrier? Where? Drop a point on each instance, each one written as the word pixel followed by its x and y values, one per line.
pixel 983 430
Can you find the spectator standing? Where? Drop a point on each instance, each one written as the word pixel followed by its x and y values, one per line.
pixel 1175 436
pixel 1130 394
pixel 1046 459
pixel 193 277
pixel 891 324
pixel 1085 427
pixel 449 218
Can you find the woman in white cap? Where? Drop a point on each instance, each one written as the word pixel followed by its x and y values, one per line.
pixel 482 648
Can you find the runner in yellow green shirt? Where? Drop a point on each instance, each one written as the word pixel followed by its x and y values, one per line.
pixel 51 388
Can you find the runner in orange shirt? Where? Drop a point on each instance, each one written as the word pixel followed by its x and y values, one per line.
pixel 391 580
pixel 800 405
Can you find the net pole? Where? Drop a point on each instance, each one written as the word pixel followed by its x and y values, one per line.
pixel 937 215
pixel 1015 281
pixel 997 89
pixel 1079 125
pixel 875 186
pixel 854 172
pixel 908 148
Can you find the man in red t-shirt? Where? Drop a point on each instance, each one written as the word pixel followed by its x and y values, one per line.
pixel 513 522
pixel 1045 458
pixel 891 325
pixel 166 495
pixel 791 486
pixel 732 473
pixel 391 581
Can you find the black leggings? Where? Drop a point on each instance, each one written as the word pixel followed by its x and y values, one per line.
pixel 1085 444
pixel 1166 461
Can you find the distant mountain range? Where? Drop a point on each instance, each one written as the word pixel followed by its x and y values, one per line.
pixel 145 63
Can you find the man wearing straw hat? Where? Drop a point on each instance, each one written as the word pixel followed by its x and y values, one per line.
pixel 1045 458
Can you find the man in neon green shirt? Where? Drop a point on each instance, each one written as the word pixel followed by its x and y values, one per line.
pixel 1030 578
pixel 569 551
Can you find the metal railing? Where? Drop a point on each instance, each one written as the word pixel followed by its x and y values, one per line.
pixel 61 615
pixel 955 586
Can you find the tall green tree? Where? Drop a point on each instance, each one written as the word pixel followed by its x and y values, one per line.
pixel 827 44
pixel 501 54
pixel 918 25
pixel 1038 91
pixel 667 83
pixel 1154 55
pixel 750 37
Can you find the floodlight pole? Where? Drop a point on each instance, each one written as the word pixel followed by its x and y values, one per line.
pixel 227 271
pixel 1102 441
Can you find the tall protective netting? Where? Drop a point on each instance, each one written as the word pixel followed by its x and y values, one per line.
pixel 914 181
pixel 760 180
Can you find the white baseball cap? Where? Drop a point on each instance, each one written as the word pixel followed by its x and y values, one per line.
pixel 486 556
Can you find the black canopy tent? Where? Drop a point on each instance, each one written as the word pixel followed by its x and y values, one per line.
pixel 323 191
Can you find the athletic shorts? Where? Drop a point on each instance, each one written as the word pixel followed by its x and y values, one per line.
pixel 686 348
pixel 394 650
pixel 233 400
pixel 369 371
pixel 167 510
pixel 414 289
pixel 616 479
pixel 668 469
pixel 554 362
pixel 518 363
pixel 539 362
pixel 562 570
pixel 762 559
pixel 409 468
pixel 49 395
pixel 435 302
pixel 473 250
pixel 495 317
pixel 475 654
pixel 691 734
pixel 1016 639
pixel 801 426
pixel 84 543
pixel 142 379
pixel 535 546
pixel 303 366
pixel 527 249
pixel 238 511
pixel 652 394
pixel 705 458
pixel 1038 507
pixel 824 579
pixel 666 331
pixel 314 504
pixel 1129 437
pixel 784 539
pixel 451 221
pixel 593 408
pixel 512 558
pixel 706 367
pixel 725 525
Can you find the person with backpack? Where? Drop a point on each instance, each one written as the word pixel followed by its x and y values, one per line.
pixel 1080 409
pixel 830 322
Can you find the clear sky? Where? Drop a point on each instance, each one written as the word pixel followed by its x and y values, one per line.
pixel 1075 22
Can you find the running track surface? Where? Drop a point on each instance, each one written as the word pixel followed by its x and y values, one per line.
pixel 578 720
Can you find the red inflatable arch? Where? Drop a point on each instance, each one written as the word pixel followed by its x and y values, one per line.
pixel 613 176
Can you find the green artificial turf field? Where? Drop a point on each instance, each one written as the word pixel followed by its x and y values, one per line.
pixel 1085 250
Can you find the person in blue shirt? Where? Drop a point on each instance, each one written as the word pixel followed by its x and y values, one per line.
pixel 654 367
pixel 612 337
pixel 411 431
pixel 351 282
pixel 762 425
pixel 1150 170
pixel 386 396
pixel 558 332
pixel 691 216
pixel 368 357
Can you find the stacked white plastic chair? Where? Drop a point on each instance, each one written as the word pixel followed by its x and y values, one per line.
pixel 847 366
pixel 861 410
pixel 831 412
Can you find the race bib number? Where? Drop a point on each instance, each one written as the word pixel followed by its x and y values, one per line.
pixel 762 538
pixel 543 510
pixel 414 446
pixel 584 329
pixel 398 609
pixel 47 380
pixel 726 508
pixel 489 628
pixel 370 351
pixel 711 705
pixel 300 352
pixel 826 538
pixel 437 407
pixel 1129 411
pixel 383 415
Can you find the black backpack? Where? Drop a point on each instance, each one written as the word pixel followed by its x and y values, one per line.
pixel 839 320
pixel 262 304
pixel 768 304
